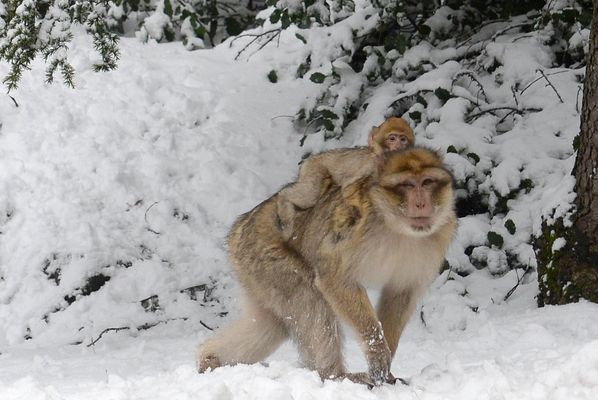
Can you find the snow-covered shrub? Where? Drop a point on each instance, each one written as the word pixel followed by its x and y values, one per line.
pixel 494 85
pixel 198 23
pixel 29 28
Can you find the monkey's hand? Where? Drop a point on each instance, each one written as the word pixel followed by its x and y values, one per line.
pixel 379 358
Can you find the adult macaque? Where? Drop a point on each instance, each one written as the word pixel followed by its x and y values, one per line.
pixel 302 288
pixel 342 167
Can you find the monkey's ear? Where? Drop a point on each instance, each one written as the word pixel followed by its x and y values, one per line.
pixel 373 132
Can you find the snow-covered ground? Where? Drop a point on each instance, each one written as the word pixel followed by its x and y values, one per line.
pixel 134 178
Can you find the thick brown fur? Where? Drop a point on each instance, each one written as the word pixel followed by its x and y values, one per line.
pixel 304 287
pixel 341 167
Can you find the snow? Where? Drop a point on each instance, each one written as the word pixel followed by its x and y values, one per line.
pixel 137 174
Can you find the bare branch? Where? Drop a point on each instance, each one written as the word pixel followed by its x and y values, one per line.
pixel 256 36
pixel 519 280
pixel 512 109
pixel 550 84
pixel 147 222
pixel 13 100
pixel 537 79
pixel 139 328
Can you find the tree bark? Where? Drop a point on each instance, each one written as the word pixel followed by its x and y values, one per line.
pixel 586 163
pixel 571 273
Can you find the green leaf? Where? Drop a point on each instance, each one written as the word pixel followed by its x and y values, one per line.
pixel 442 94
pixel 317 77
pixel 168 8
pixel 285 20
pixel 301 37
pixel 569 15
pixel 200 31
pixel 527 185
pixel 233 27
pixel 328 114
pixel 510 225
pixel 398 42
pixel 275 16
pixel 169 34
pixel 424 29
pixel 416 116
pixel 302 70
pixel 474 157
pixel 420 99
pixel 495 239
pixel 272 76
pixel 585 19
pixel 328 124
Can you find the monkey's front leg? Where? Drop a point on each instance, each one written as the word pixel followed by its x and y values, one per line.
pixel 394 310
pixel 350 301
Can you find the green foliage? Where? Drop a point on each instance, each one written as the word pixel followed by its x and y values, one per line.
pixel 273 76
pixel 400 26
pixel 565 23
pixel 510 226
pixel 442 94
pixel 317 77
pixel 29 28
pixel 40 27
pixel 495 239
pixel 194 22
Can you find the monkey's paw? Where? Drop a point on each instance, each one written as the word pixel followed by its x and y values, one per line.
pixel 363 378
pixel 379 359
pixel 359 377
pixel 207 362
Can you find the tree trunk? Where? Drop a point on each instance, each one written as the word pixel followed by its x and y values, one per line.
pixel 571 273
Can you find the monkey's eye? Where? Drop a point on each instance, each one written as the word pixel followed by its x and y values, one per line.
pixel 428 182
pixel 393 138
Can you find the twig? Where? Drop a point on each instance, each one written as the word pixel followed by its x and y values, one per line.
pixel 256 36
pixel 13 100
pixel 473 78
pixel 143 327
pixel 482 25
pixel 550 84
pixel 282 116
pixel 519 279
pixel 147 222
pixel 513 109
pixel 515 96
pixel 122 328
pixel 507 115
pixel 537 79
pixel 302 140
pixel 205 326
pixel 577 99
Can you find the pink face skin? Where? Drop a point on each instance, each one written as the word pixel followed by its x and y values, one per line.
pixel 418 192
pixel 396 141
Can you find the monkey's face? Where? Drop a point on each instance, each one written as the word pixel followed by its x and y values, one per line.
pixel 415 192
pixel 397 140
pixel 393 134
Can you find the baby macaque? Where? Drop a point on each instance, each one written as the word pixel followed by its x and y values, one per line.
pixel 340 167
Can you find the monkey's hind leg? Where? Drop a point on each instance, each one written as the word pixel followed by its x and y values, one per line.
pixel 249 340
pixel 317 333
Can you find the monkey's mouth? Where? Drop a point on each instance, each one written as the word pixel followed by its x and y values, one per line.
pixel 420 223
